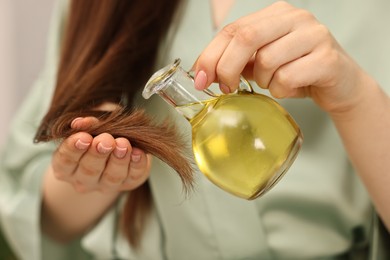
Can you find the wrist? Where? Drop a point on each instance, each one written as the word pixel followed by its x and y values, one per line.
pixel 359 100
pixel 66 213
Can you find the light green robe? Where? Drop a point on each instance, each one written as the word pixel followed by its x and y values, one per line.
pixel 319 210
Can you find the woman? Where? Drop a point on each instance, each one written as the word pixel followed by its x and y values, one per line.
pixel 319 210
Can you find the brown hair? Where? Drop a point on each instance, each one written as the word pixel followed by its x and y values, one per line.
pixel 108 53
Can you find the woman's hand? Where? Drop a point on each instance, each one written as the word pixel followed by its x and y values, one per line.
pixel 100 163
pixel 286 50
pixel 87 175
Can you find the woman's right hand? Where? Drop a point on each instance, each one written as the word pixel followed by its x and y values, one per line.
pixel 101 163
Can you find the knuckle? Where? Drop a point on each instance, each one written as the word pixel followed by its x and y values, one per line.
pixel 278 92
pixel 89 171
pixel 283 78
pixel 246 35
pixel 134 183
pixel 331 58
pixel 261 80
pixel 329 55
pixel 323 35
pixel 56 166
pixel 304 15
pixel 64 157
pixel 128 186
pixel 58 175
pixel 118 162
pixel 222 71
pixel 228 77
pixel 137 175
pixel 264 60
pixel 321 29
pixel 281 4
pixel 229 30
pixel 204 59
pixel 113 178
pixel 142 175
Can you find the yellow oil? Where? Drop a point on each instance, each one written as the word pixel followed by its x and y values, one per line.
pixel 243 142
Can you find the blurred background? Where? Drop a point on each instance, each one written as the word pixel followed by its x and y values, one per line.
pixel 23 26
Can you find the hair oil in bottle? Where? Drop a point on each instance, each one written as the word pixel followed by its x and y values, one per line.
pixel 243 144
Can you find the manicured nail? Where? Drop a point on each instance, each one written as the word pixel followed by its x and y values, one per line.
pixel 135 157
pixel 225 89
pixel 200 80
pixel 81 145
pixel 103 149
pixel 120 152
pixel 75 122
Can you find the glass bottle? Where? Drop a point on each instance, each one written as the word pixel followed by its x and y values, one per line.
pixel 243 142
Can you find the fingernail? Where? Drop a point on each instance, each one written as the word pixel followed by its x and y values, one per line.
pixel 74 122
pixel 81 145
pixel 103 149
pixel 120 152
pixel 225 89
pixel 135 157
pixel 200 80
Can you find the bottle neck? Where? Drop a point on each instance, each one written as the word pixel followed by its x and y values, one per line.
pixel 176 87
pixel 187 103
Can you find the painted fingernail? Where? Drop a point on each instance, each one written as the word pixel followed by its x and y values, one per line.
pixel 135 157
pixel 75 121
pixel 81 145
pixel 120 152
pixel 103 149
pixel 200 80
pixel 225 89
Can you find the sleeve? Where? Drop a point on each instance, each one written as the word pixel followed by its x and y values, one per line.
pixel 23 163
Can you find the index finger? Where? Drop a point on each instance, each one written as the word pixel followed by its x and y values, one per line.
pixel 228 53
pixel 67 156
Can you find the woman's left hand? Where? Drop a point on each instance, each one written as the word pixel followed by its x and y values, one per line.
pixel 286 50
